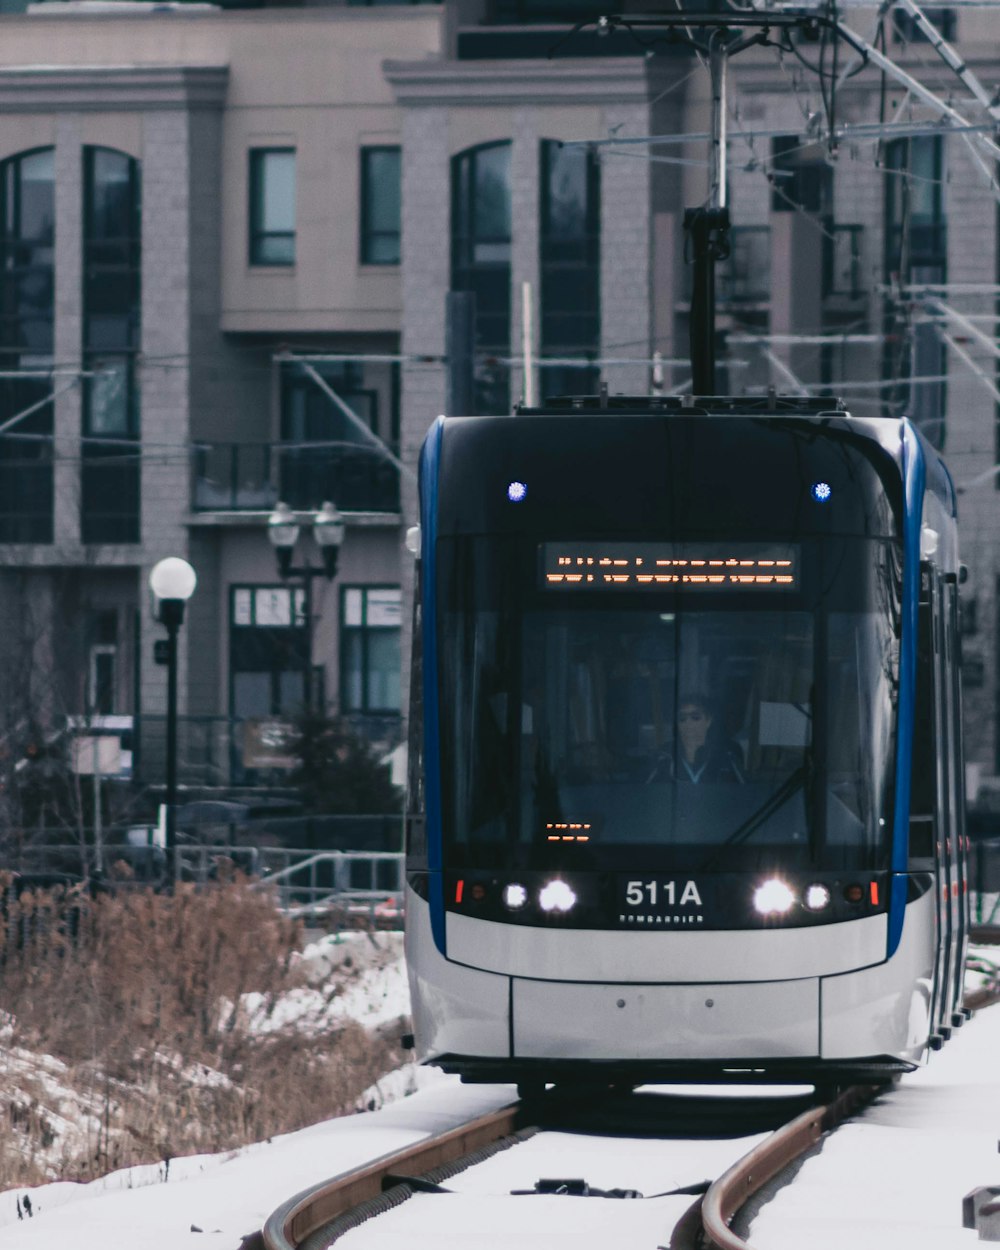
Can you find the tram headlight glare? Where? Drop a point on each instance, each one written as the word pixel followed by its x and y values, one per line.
pixel 514 896
pixel 556 896
pixel 817 896
pixel 773 898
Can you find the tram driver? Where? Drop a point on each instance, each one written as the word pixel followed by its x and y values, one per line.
pixel 702 754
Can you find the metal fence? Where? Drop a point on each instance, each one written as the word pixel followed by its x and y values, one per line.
pixel 336 888
pixel 984 883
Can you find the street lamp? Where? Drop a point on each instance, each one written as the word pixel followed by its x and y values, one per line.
pixel 172 582
pixel 283 526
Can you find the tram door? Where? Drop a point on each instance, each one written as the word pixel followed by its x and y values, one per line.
pixel 948 799
pixel 959 900
pixel 929 789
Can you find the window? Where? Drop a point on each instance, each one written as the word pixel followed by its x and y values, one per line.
pixel 323 454
pixel 268 651
pixel 906 29
pixel 802 178
pixel 480 261
pixel 370 618
pixel 916 251
pixel 380 206
pixel 27 238
pixel 272 206
pixel 570 265
pixel 102 669
pixel 112 262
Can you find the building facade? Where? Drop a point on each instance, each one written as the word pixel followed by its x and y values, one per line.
pixel 230 235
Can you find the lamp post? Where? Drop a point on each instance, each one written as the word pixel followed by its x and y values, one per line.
pixel 172 582
pixel 283 527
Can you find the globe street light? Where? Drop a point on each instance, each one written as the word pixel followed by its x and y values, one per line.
pixel 283 527
pixel 172 582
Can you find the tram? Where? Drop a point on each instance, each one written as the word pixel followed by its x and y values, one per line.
pixel 686 790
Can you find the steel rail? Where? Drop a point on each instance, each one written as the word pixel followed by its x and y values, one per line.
pixel 295 1220
pixel 704 1224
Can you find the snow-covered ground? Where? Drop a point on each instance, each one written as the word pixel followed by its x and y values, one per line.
pixel 895 1177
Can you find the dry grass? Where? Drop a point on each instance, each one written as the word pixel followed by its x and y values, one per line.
pixel 135 1001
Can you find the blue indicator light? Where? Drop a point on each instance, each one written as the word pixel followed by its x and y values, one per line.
pixel 516 492
pixel 821 491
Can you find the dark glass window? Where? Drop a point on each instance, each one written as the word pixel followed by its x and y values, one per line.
pixel 111 339
pixel 380 206
pixel 906 30
pixel 369 648
pixel 268 651
pixel 324 455
pixel 570 266
pixel 480 261
pixel 27 221
pixel 272 206
pixel 916 251
pixel 802 178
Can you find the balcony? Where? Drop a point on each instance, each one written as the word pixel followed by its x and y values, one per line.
pixel 236 477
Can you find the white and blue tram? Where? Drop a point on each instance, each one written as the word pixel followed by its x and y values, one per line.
pixel 686 795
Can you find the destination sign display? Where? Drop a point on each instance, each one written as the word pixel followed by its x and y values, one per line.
pixel 669 566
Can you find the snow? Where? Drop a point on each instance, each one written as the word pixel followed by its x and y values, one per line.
pixel 895 1177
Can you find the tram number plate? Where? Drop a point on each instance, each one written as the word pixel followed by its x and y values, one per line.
pixel 659 901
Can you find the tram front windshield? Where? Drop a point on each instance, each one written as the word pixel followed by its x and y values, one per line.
pixel 718 727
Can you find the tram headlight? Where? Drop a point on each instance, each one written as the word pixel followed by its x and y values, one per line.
pixel 556 896
pixel 817 896
pixel 773 898
pixel 514 896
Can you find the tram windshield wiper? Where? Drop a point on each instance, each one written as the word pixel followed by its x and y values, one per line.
pixel 773 803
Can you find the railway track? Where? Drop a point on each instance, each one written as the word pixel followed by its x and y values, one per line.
pixel 316 1218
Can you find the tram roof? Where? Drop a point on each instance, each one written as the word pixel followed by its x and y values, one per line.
pixel 689 405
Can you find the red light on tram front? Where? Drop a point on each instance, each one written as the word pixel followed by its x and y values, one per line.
pixel 459 890
pixel 873 893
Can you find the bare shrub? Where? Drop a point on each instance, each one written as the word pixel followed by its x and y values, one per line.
pixel 141 1000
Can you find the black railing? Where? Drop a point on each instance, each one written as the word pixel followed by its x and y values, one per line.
pixel 234 477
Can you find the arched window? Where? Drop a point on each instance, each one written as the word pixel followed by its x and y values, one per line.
pixel 570 261
pixel 916 251
pixel 111 330
pixel 27 223
pixel 480 260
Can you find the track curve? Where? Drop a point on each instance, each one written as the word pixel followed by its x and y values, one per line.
pixel 298 1224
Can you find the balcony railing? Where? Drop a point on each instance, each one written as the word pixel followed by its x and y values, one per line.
pixel 234 477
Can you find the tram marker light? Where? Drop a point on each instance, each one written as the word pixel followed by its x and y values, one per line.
pixel 772 898
pixel 821 492
pixel 514 896
pixel 478 892
pixel 873 893
pixel 854 894
pixel 817 896
pixel 459 891
pixel 556 896
pixel 517 492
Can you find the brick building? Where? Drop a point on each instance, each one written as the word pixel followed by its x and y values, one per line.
pixel 224 225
